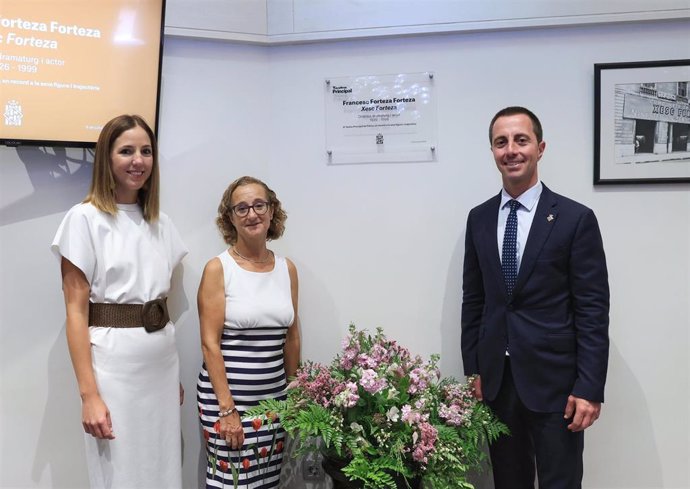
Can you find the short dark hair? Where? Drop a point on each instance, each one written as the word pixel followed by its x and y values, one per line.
pixel 516 110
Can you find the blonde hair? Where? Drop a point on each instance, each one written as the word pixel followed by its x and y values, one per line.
pixel 224 222
pixel 102 192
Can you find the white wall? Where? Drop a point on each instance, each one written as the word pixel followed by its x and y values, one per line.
pixel 271 22
pixel 375 244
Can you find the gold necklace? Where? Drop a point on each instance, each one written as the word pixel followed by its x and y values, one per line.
pixel 265 260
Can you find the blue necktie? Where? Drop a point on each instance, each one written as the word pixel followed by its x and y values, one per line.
pixel 509 256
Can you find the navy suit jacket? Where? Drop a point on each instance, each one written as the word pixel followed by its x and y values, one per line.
pixel 555 326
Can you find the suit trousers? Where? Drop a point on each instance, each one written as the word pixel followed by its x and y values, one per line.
pixel 541 438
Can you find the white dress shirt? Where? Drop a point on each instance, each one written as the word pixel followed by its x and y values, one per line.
pixel 525 215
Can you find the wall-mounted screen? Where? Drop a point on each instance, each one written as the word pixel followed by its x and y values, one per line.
pixel 69 66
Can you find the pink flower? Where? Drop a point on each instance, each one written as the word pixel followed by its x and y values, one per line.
pixel 454 415
pixel 316 383
pixel 223 466
pixel 347 396
pixel 347 360
pixel 418 380
pixel 371 382
pixel 256 423
pixel 380 354
pixel 365 361
pixel 426 442
pixel 410 416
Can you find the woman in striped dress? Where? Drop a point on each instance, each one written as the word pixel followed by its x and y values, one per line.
pixel 249 336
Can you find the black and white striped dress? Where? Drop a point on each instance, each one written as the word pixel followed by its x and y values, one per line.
pixel 258 312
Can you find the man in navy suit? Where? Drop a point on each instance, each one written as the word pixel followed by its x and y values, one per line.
pixel 537 346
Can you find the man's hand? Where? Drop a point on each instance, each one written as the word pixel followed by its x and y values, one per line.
pixel 477 385
pixel 583 413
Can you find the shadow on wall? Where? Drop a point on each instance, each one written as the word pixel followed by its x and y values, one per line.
pixel 625 418
pixel 451 356
pixel 56 178
pixel 61 424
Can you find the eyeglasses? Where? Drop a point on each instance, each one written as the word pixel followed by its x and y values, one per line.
pixel 242 210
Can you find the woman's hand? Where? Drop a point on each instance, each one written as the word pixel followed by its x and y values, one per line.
pixel 95 418
pixel 231 430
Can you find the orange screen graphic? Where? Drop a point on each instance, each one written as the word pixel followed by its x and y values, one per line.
pixel 67 67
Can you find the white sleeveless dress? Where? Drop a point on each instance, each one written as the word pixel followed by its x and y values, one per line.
pixel 129 261
pixel 258 312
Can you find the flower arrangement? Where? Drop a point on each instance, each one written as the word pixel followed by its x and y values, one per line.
pixel 388 415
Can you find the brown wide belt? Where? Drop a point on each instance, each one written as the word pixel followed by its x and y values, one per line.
pixel 152 315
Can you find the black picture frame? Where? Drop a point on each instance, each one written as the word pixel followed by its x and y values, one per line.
pixel 642 122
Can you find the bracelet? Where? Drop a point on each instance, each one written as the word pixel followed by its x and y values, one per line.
pixel 222 414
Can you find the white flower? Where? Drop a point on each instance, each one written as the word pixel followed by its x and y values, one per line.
pixel 356 427
pixel 393 414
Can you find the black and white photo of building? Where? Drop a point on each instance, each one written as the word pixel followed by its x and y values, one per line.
pixel 652 122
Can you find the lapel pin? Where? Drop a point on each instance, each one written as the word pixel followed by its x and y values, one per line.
pixel 550 217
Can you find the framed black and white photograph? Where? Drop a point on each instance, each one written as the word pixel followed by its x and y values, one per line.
pixel 642 122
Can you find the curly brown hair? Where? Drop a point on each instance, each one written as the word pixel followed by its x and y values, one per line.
pixel 227 228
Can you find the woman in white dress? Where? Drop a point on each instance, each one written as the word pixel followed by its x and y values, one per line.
pixel 250 338
pixel 117 253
